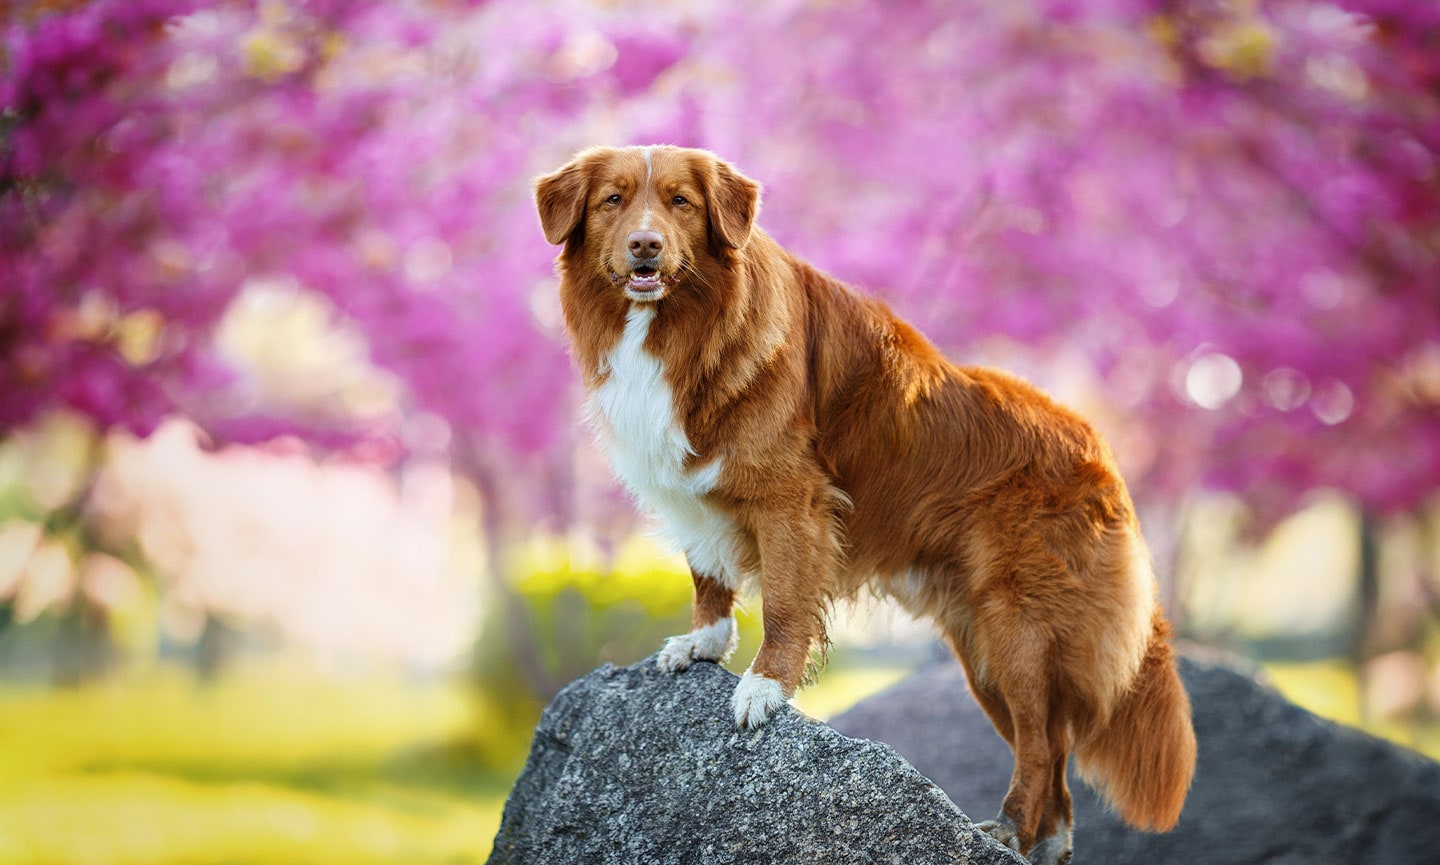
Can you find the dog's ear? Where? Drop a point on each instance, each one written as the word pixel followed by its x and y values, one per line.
pixel 560 198
pixel 732 203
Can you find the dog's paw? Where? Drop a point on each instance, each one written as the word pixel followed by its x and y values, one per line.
pixel 711 643
pixel 1002 829
pixel 756 699
pixel 1052 850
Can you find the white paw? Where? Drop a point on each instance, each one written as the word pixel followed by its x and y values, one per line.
pixel 713 642
pixel 1054 849
pixel 756 699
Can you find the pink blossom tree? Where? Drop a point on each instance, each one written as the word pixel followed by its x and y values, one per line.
pixel 1226 212
pixel 160 156
pixel 1231 210
pixel 161 159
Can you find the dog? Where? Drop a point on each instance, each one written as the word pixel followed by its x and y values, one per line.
pixel 786 430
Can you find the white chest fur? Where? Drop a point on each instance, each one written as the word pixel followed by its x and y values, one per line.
pixel 633 411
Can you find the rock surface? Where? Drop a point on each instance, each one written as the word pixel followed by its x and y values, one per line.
pixel 632 765
pixel 1274 783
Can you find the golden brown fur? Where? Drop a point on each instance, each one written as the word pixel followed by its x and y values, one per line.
pixel 846 453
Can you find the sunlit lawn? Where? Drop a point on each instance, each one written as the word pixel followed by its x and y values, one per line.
pixel 266 766
pixel 271 765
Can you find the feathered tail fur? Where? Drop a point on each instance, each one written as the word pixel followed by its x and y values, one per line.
pixel 1142 761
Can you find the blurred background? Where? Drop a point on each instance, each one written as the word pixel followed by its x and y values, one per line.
pixel 300 528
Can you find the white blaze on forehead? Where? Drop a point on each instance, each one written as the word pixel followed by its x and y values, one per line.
pixel 645 218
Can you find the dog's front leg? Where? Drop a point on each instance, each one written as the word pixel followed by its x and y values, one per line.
pixel 797 566
pixel 712 627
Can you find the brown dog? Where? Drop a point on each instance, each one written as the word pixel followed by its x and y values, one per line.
pixel 785 429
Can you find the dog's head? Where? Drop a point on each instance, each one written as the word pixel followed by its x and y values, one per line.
pixel 644 218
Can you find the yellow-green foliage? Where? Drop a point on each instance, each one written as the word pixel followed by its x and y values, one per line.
pixel 268 766
pixel 1332 690
pixel 573 609
pixel 271 764
pixel 640 575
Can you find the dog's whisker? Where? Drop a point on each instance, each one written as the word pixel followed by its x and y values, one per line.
pixel 696 275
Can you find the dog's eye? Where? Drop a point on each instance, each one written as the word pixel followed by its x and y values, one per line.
pixel 679 201
pixel 614 199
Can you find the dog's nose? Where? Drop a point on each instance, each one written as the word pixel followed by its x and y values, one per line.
pixel 646 244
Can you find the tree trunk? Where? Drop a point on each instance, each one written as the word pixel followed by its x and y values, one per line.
pixel 517 630
pixel 1368 601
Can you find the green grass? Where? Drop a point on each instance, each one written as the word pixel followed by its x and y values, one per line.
pixel 267 766
pixel 271 764
pixel 844 686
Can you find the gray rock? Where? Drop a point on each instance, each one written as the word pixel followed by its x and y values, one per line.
pixel 632 765
pixel 1273 784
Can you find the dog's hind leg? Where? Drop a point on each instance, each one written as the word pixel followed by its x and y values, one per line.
pixel 1052 845
pixel 1026 698
pixel 1009 652
pixel 989 700
pixel 1053 838
pixel 712 627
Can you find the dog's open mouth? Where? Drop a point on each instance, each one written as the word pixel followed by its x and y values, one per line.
pixel 645 279
pixel 644 283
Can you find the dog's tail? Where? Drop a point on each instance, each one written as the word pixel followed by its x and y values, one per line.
pixel 1142 760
